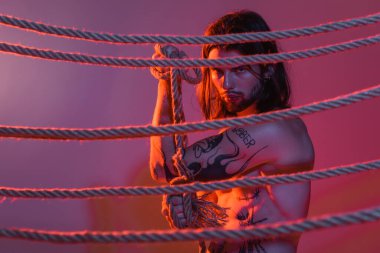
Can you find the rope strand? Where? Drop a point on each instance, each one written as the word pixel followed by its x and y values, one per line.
pixel 149 130
pixel 101 192
pixel 253 232
pixel 190 40
pixel 185 63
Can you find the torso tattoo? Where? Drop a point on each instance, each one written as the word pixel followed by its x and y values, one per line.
pixel 246 217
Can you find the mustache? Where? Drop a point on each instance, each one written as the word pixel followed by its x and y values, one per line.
pixel 231 93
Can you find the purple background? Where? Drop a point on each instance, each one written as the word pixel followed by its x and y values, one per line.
pixel 55 94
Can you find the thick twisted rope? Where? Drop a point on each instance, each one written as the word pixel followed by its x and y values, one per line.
pixel 149 130
pixel 223 39
pixel 101 192
pixel 186 63
pixel 179 140
pixel 253 232
pixel 198 212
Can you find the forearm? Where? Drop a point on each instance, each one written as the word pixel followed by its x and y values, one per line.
pixel 162 147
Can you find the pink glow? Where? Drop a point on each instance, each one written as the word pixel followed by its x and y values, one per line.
pixel 47 93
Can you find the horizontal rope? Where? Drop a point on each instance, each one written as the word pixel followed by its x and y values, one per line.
pixel 190 40
pixel 254 232
pixel 185 63
pixel 100 192
pixel 149 130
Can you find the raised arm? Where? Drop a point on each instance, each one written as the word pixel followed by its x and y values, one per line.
pixel 162 147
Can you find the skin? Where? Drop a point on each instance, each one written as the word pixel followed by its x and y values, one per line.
pixel 259 150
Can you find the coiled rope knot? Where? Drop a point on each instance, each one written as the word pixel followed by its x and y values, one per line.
pixel 173 52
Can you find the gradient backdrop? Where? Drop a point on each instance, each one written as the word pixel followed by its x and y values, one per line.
pixel 55 94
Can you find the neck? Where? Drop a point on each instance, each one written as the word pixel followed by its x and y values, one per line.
pixel 248 111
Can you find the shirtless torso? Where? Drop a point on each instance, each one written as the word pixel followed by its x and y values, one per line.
pixel 269 204
pixel 262 205
pixel 268 149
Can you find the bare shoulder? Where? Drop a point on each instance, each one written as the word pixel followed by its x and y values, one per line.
pixel 289 142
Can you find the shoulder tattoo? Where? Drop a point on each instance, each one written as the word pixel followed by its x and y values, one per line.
pixel 244 136
pixel 207 145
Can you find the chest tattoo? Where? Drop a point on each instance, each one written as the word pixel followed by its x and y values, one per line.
pixel 247 196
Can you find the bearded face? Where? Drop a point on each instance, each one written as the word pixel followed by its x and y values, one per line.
pixel 238 87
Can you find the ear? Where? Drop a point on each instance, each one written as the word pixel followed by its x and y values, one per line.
pixel 269 71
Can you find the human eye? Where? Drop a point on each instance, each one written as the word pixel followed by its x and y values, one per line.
pixel 241 69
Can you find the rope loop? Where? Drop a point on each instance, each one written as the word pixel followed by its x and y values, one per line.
pixel 173 52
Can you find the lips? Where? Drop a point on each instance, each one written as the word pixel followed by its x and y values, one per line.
pixel 232 97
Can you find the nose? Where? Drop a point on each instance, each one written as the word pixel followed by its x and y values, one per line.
pixel 227 80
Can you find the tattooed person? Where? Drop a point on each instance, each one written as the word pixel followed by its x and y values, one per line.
pixel 251 151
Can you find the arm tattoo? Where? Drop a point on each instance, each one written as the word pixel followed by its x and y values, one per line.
pixel 207 145
pixel 217 169
pixel 249 159
pixel 244 135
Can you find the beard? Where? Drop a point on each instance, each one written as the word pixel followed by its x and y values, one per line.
pixel 234 107
pixel 238 107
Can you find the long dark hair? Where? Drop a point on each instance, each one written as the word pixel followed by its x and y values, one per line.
pixel 274 92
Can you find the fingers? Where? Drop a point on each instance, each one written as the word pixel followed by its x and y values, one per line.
pixel 165 211
pixel 157 55
pixel 177 209
pixel 157 48
pixel 168 51
pixel 176 203
pixel 176 200
pixel 173 211
pixel 164 206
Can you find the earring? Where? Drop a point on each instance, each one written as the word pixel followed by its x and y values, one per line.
pixel 267 77
pixel 268 72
